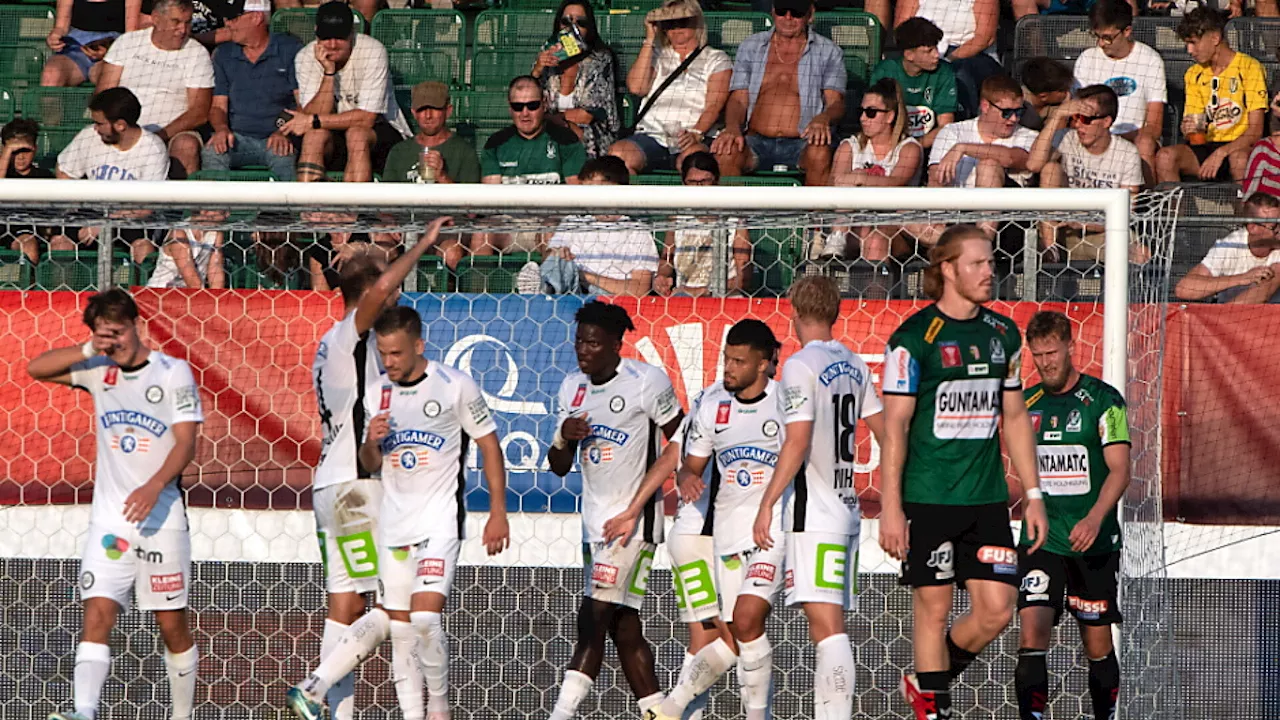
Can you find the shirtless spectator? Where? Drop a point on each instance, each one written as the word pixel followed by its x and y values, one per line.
pixel 787 89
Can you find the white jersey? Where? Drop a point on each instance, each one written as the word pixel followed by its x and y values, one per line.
pixel 827 384
pixel 135 410
pixel 745 438
pixel 694 518
pixel 433 421
pixel 344 371
pixel 626 415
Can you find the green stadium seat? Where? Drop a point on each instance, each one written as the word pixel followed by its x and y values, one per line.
pixel 726 30
pixel 514 29
pixel 492 273
pixel 242 175
pixel 78 270
pixel 51 142
pixel 441 32
pixel 301 23
pixel 15 270
pixel 633 6
pixel 21 63
pixel 775 255
pixel 63 108
pixel 433 276
pixel 493 69
pixel 249 277
pixel 410 67
pixel 858 35
pixel 8 105
pixel 30 23
pixel 770 180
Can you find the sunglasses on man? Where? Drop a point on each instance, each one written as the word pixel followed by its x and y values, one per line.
pixel 1082 119
pixel 791 13
pixel 873 112
pixel 1010 113
pixel 522 106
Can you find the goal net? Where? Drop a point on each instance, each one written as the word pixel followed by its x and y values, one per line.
pixel 257 602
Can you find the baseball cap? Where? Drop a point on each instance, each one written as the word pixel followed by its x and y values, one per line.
pixel 800 6
pixel 235 8
pixel 334 21
pixel 429 93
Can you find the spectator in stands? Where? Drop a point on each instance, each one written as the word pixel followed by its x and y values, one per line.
pixel 1263 171
pixel 787 90
pixel 1226 103
pixel 678 115
pixel 579 89
pixel 192 257
pixel 435 154
pixel 349 114
pixel 595 254
pixel 18 142
pixel 1022 8
pixel 988 151
pixel 928 84
pixel 82 32
pixel 1046 84
pixel 687 265
pixel 1133 70
pixel 254 80
pixel 1243 267
pixel 968 40
pixel 883 154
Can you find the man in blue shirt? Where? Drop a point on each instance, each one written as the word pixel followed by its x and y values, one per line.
pixel 253 82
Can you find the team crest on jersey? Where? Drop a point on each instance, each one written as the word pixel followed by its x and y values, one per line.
pixel 410 459
pixel 617 404
pixel 130 443
pixel 431 409
pixel 722 412
pixel 112 375
pixel 950 354
pixel 1075 422
pixel 385 402
pixel 997 352
pixel 1035 421
pixel 579 396
pixel 746 478
pixel 154 394
pixel 770 428
pixel 597 453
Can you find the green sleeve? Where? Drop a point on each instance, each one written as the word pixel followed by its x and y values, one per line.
pixel 573 157
pixel 489 162
pixel 1113 426
pixel 944 100
pixel 883 70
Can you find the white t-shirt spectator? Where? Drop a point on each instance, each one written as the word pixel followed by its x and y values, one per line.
pixel 160 78
pixel 88 157
pixel 1231 256
pixel 693 256
pixel 1118 166
pixel 683 101
pixel 1138 79
pixel 202 245
pixel 864 158
pixel 364 83
pixel 615 254
pixel 954 18
pixel 967 132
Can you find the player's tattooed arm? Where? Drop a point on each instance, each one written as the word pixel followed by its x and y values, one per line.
pixel 376 296
pixel 371 448
pixel 623 525
pixel 142 501
pixel 898 410
pixel 497 533
pixel 55 365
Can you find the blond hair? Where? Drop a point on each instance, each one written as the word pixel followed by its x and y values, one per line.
pixel 700 21
pixel 950 246
pixel 815 297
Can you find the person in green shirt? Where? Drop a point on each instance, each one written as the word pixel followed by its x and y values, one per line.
pixel 1082 431
pixel 928 84
pixel 434 154
pixel 951 378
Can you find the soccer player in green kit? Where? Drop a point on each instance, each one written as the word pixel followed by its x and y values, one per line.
pixel 951 374
pixel 1083 434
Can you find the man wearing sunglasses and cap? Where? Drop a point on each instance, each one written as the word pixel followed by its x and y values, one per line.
pixel 349 112
pixel 787 91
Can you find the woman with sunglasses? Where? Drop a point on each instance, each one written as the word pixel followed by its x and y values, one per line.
pixel 580 90
pixel 679 118
pixel 883 154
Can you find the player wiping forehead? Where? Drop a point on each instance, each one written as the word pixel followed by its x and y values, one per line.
pixel 345 496
pixel 826 388
pixel 424 417
pixel 738 428
pixel 611 413
pixel 146 416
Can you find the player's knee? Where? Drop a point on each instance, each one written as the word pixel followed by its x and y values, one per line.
pixel 593 620
pixel 428 624
pixel 174 630
pixel 995 619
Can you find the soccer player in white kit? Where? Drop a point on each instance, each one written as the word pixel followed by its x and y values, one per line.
pixel 826 388
pixel 147 414
pixel 739 428
pixel 424 417
pixel 611 413
pixel 345 497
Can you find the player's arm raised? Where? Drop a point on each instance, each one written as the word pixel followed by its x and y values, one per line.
pixel 898 410
pixel 376 296
pixel 1021 439
pixel 141 501
pixel 1116 451
pixel 55 365
pixel 623 525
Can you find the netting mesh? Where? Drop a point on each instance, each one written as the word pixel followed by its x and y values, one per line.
pixel 257 598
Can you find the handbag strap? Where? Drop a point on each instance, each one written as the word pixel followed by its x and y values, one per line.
pixel 666 84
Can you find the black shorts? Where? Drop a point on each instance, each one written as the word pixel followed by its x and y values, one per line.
pixel 957 543
pixel 385 138
pixel 1202 153
pixel 1089 584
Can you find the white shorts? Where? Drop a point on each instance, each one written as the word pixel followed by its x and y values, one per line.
pixel 822 568
pixel 752 572
pixel 426 567
pixel 617 574
pixel 155 566
pixel 346 526
pixel 693 563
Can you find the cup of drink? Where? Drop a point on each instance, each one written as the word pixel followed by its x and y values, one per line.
pixel 1199 128
pixel 673 130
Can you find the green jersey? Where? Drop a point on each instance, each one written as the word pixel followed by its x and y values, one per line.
pixel 549 158
pixel 460 163
pixel 1072 428
pixel 958 371
pixel 926 95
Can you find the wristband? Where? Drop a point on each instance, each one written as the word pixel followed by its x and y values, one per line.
pixel 315 122
pixel 1034 493
pixel 88 350
pixel 328 74
pixel 558 442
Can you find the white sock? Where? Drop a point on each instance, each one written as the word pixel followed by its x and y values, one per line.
pixel 708 665
pixel 695 709
pixel 433 654
pixel 649 702
pixel 357 642
pixel 93 664
pixel 833 679
pixel 406 674
pixel 573 690
pixel 755 672
pixel 181 669
pixel 342 696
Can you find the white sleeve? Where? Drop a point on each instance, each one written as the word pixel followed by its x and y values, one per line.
pixel 719 63
pixel 87 374
pixel 1218 257
pixel 1155 78
pixel 564 398
pixel 1131 173
pixel 72 159
pixel 946 139
pixel 645 249
pixel 155 165
pixel 199 68
pixel 700 434
pixel 375 79
pixel 120 50
pixel 345 339
pixel 184 395
pixel 310 74
pixel 659 398
pixel 473 411
pixel 870 400
pixel 797 393
pixel 1023 138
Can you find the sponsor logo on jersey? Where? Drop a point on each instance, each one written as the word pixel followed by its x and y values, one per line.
pixel 901 371
pixel 1035 421
pixel 112 375
pixel 1053 436
pixel 604 575
pixel 617 404
pixel 794 398
pixel 134 418
pixel 1084 397
pixel 1075 422
pixel 154 394
pixel 762 571
pixel 86 580
pixel 1123 86
pixel 431 567
pixel 1035 586
pixel 385 402
pixel 1064 469
pixel 130 443
pixel 431 408
pixel 186 398
pixel 322 351
pixel 114 546
pixel 997 352
pixel 1003 560
pixel 966 409
pixel 410 459
pixel 999 325
pixel 942 560
pixel 400 553
pixel 597 453
pixel 613 435
pixel 935 327
pixel 950 354
pixel 747 453
pixel 1087 609
pixel 978 369
pixel 168 582
pixel 789 579
pixel 837 370
pixel 412 437
pixel 722 412
pixel 745 478
pixel 579 396
pixel 479 411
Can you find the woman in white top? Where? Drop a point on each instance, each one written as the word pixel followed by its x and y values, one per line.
pixel 968 41
pixel 883 155
pixel 192 257
pixel 679 120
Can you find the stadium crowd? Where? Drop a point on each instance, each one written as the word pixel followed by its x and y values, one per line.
pixel 938 110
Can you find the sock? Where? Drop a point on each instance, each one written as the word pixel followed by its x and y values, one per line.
pixel 833 679
pixel 937 684
pixel 342 696
pixel 1104 685
pixel 357 643
pixel 181 668
pixel 93 664
pixel 575 687
pixel 433 653
pixel 406 674
pixel 695 709
pixel 1031 683
pixel 708 665
pixel 960 658
pixel 649 702
pixel 755 673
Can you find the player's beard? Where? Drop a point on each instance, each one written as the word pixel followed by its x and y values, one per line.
pixel 1056 383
